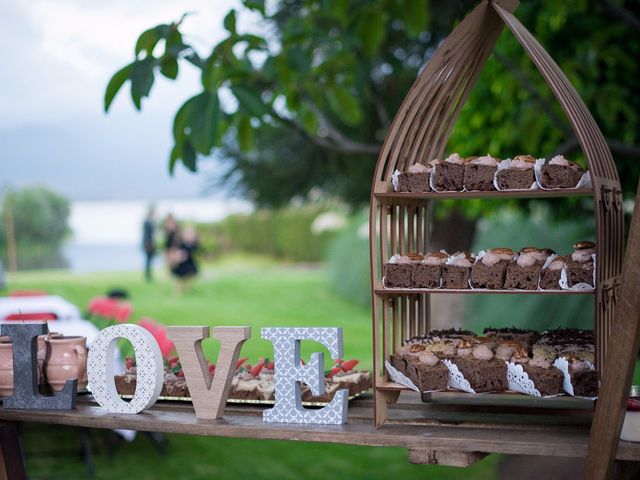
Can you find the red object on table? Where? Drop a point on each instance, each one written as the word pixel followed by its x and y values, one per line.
pixel 31 316
pixel 28 293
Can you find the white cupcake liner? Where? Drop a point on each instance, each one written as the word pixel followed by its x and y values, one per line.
pixel 578 287
pixel 394 179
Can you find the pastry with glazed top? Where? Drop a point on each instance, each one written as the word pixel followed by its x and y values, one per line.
pixel 415 179
pixel 482 369
pixel 448 174
pixel 456 272
pixel 580 264
pixel 490 270
pixel 428 273
pixel 524 272
pixel 479 173
pixel 560 173
pixel 550 276
pixel 398 272
pixel 519 175
pixel 524 337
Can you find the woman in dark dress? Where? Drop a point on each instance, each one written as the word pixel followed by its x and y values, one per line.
pixel 183 263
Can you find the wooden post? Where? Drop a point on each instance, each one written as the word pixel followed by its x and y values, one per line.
pixel 621 356
pixel 11 466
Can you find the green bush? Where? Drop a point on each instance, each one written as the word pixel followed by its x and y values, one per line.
pixel 284 233
pixel 348 263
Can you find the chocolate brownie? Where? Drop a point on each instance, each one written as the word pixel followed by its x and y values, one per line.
pixel 560 173
pixel 519 175
pixel 455 273
pixel 479 173
pixel 584 382
pixel 415 179
pixel 548 381
pixel 490 270
pixel 524 337
pixel 398 272
pixel 524 272
pixel 488 375
pixel 427 274
pixel 449 174
pixel 425 376
pixel 580 265
pixel 550 276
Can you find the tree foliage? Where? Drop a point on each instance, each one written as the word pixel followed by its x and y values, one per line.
pixel 307 102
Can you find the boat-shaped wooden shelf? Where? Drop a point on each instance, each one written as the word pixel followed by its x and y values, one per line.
pixel 391 292
pixel 398 198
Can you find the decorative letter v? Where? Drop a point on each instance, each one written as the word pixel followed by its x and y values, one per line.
pixel 209 394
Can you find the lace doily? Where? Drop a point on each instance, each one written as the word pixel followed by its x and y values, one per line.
pixel 399 377
pixel 584 182
pixel 456 379
pixel 563 365
pixel 564 279
pixel 394 179
pixel 519 380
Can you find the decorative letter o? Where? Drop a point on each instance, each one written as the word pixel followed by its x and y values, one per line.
pixel 149 369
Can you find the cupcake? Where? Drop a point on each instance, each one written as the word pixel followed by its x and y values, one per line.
pixel 490 270
pixel 456 272
pixel 479 173
pixel 550 275
pixel 415 179
pixel 524 271
pixel 580 264
pixel 519 175
pixel 428 272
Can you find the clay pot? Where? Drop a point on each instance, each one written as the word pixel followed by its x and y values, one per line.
pixel 65 359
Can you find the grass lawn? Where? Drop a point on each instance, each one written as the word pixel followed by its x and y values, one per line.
pixel 234 291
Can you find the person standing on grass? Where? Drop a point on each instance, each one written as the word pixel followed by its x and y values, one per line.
pixel 170 231
pixel 183 262
pixel 148 241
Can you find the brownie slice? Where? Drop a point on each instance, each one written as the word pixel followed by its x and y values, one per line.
pixel 479 173
pixel 427 274
pixel 490 271
pixel 550 276
pixel 548 381
pixel 126 383
pixel 456 272
pixel 398 272
pixel 427 377
pixel 483 375
pixel 415 179
pixel 519 175
pixel 580 265
pixel 449 174
pixel 524 272
pixel 584 382
pixel 560 173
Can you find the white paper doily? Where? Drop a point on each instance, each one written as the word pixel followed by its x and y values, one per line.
pixel 394 179
pixel 456 378
pixel 563 365
pixel 399 377
pixel 519 380
pixel 584 182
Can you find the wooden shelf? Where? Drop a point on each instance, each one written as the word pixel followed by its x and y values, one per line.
pixel 392 197
pixel 436 427
pixel 391 292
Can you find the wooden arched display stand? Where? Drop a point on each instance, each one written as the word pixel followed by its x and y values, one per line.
pixel 399 222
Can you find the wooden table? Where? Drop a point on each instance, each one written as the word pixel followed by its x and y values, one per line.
pixel 438 433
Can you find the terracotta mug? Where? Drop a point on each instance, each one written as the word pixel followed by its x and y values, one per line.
pixel 65 359
pixel 6 367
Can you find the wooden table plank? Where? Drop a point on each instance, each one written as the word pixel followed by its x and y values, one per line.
pixel 475 434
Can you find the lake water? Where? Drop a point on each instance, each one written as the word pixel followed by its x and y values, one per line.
pixel 107 234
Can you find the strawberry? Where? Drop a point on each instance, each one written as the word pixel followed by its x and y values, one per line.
pixel 180 373
pixel 129 363
pixel 212 369
pixel 269 366
pixel 333 371
pixel 240 362
pixel 258 366
pixel 349 365
pixel 172 360
pixel 337 362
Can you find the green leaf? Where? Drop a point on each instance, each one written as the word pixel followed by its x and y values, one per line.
pixel 147 41
pixel 250 101
pixel 298 60
pixel 257 5
pixel 230 21
pixel 416 14
pixel 203 112
pixel 371 30
pixel 180 122
pixel 141 79
pixel 114 85
pixel 189 156
pixel 245 134
pixel 308 119
pixel 176 152
pixel 169 67
pixel 344 105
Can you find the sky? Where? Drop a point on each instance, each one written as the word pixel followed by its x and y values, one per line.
pixel 57 59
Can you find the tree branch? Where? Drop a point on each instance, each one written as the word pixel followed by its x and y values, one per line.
pixel 622 13
pixel 616 147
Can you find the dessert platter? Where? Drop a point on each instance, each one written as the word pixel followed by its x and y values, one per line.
pixel 487 173
pixel 530 268
pixel 549 363
pixel 252 384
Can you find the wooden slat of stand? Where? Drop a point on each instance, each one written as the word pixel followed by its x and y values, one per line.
pixel 562 438
pixel 476 291
pixel 536 193
pixel 618 368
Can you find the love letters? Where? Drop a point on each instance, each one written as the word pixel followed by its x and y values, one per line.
pixel 208 393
